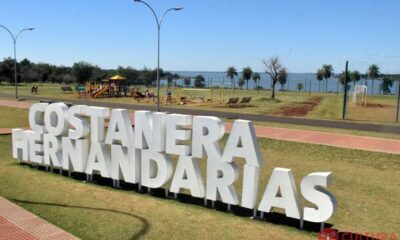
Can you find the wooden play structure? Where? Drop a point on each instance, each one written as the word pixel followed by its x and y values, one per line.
pixel 115 86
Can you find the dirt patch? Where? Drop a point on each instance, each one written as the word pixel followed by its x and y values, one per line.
pixel 300 109
pixel 375 105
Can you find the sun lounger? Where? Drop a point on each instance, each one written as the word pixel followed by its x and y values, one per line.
pixel 233 102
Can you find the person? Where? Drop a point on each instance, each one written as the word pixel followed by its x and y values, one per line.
pixel 33 89
pixel 147 93
pixel 36 90
pixel 169 96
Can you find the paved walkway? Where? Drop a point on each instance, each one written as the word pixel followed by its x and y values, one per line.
pixel 307 136
pixel 18 224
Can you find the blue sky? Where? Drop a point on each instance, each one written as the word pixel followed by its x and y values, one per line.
pixel 207 35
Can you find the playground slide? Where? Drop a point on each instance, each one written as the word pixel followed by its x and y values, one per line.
pixel 99 92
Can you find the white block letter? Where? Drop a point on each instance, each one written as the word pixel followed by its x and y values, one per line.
pixel 242 143
pixel 97 119
pixel 36 117
pixel 77 121
pixel 220 179
pixel 187 175
pixel 150 130
pixel 99 160
pixel 156 167
pixel 207 131
pixel 125 164
pixel 313 187
pixel 120 129
pixel 281 193
pixel 176 133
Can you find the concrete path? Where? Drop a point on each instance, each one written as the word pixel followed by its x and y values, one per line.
pixel 18 224
pixel 306 136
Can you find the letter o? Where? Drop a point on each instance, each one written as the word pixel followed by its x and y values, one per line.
pixel 55 119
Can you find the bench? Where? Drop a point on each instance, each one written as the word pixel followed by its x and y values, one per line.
pixel 245 101
pixel 233 102
pixel 66 89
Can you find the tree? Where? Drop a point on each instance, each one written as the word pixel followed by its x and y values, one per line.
pixel 199 81
pixel 386 84
pixel 282 77
pixel 273 66
pixel 320 77
pixel 256 78
pixel 355 76
pixel 246 75
pixel 373 73
pixel 300 86
pixel 232 73
pixel 187 81
pixel 241 82
pixel 7 70
pixel 328 73
pixel 82 71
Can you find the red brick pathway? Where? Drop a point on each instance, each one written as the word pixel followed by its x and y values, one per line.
pixel 306 136
pixel 19 224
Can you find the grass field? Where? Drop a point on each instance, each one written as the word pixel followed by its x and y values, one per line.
pixel 366 185
pixel 381 109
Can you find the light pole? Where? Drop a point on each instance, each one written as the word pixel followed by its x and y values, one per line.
pixel 159 22
pixel 15 54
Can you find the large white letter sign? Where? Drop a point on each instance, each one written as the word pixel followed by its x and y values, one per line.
pixel 313 188
pixel 281 193
pixel 125 164
pixel 52 150
pixel 36 117
pixel 97 119
pixel 150 130
pixel 187 175
pixel 99 160
pixel 120 129
pixel 20 144
pixel 176 133
pixel 207 131
pixel 242 143
pixel 220 179
pixel 75 154
pixel 142 155
pixel 157 169
pixel 55 119
pixel 78 121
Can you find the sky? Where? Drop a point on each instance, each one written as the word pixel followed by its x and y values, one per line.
pixel 207 35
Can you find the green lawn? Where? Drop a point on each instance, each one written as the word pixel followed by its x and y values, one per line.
pixel 380 109
pixel 13 117
pixel 366 185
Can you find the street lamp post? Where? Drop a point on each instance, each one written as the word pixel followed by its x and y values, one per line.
pixel 14 39
pixel 159 21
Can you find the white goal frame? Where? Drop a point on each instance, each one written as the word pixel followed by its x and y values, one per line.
pixel 359 94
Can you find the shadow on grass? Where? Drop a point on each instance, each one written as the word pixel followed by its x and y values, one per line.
pixel 272 217
pixel 142 232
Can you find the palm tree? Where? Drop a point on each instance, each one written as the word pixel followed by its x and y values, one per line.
pixel 231 73
pixel 320 77
pixel 373 72
pixel 386 84
pixel 328 72
pixel 246 75
pixel 256 79
pixel 355 76
pixel 282 78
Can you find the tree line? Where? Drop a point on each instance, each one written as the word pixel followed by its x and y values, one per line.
pixel 78 73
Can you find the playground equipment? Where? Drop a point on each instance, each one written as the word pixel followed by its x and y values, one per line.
pixel 205 95
pixel 221 87
pixel 114 87
pixel 359 95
